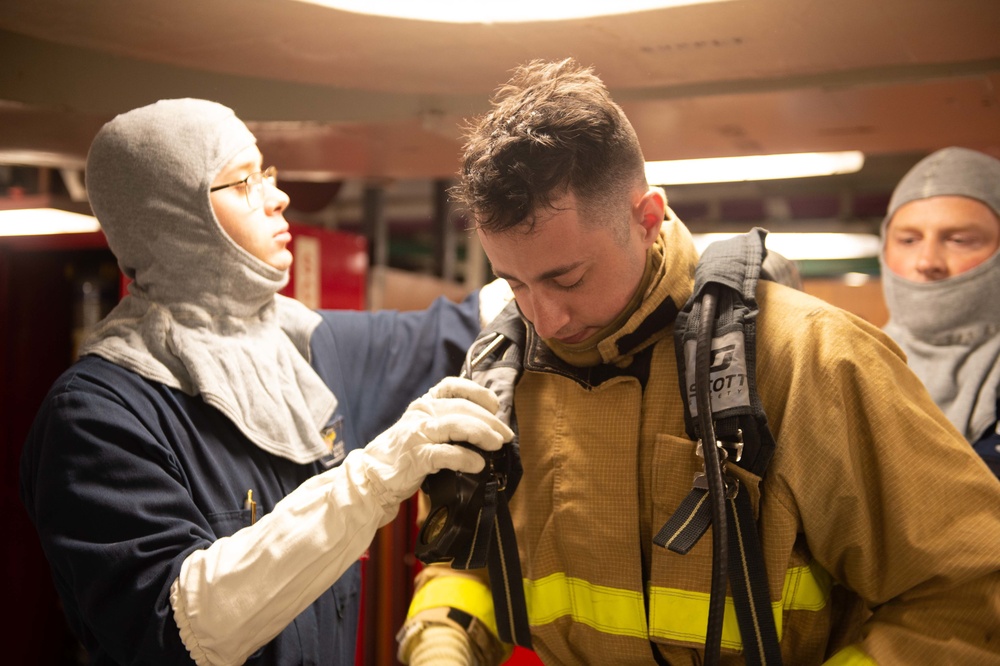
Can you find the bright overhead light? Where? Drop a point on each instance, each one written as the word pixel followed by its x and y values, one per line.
pixel 510 11
pixel 45 222
pixel 853 279
pixel 753 167
pixel 809 246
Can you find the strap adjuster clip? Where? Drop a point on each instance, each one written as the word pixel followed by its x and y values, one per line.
pixel 736 447
pixel 732 485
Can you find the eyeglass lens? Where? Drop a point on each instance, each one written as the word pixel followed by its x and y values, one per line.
pixel 255 186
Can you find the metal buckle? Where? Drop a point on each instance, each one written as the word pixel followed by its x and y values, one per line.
pixel 732 485
pixel 700 481
pixel 736 446
pixel 725 447
pixel 723 451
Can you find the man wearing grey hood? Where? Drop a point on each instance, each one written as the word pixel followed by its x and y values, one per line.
pixel 200 479
pixel 940 275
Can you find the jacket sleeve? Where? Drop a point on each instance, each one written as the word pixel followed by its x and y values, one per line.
pixel 892 500
pixel 300 548
pixel 376 363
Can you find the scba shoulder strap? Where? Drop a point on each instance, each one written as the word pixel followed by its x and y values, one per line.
pixel 715 343
pixel 469 523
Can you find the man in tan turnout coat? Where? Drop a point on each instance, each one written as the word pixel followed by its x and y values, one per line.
pixel 880 526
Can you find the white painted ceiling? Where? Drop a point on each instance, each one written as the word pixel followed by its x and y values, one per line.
pixel 336 95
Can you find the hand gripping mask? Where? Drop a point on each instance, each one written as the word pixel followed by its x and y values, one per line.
pixel 460 525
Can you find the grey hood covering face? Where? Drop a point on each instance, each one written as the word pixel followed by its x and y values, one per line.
pixel 202 314
pixel 950 329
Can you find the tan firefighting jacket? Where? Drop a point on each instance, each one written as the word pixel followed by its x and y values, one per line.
pixel 880 525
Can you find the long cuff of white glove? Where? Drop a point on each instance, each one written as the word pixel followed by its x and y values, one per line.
pixel 300 549
pixel 439 645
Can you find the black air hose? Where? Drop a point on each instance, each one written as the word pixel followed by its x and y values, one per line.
pixel 713 475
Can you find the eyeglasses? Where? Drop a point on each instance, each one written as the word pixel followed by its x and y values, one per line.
pixel 253 186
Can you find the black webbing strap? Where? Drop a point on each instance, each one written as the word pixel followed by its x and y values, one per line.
pixel 483 535
pixel 688 524
pixel 506 581
pixel 748 579
pixel 747 573
pixel 740 428
pixel 499 370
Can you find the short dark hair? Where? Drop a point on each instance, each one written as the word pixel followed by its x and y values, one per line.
pixel 553 129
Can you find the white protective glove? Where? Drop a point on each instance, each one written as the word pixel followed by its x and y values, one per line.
pixel 318 530
pixel 456 410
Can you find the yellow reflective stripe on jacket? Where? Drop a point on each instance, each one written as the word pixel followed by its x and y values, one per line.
pixel 607 609
pixel 682 615
pixel 806 588
pixel 466 594
pixel 675 614
pixel 850 656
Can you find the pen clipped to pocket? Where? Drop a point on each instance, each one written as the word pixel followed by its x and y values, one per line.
pixel 251 504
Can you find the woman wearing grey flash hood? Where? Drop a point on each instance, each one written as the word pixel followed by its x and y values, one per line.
pixel 940 274
pixel 200 479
